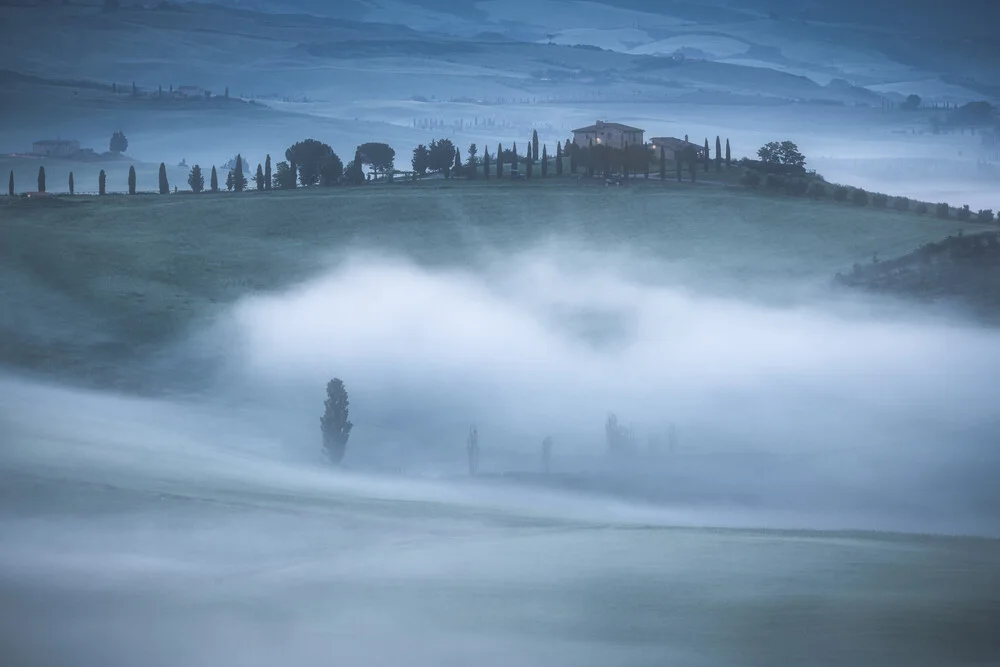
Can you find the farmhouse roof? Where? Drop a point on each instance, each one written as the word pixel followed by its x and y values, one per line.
pixel 674 143
pixel 600 125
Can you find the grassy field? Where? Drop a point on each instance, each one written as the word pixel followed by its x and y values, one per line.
pixel 90 283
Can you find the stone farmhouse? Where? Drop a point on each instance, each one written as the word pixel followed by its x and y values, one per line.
pixel 672 147
pixel 56 148
pixel 602 133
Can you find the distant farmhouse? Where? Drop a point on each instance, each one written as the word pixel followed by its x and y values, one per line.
pixel 673 147
pixel 603 133
pixel 191 91
pixel 56 148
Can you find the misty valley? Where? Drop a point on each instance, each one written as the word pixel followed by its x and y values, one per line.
pixel 544 333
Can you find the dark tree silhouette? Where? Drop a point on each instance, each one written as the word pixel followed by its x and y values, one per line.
pixel 295 170
pixel 72 190
pixel 41 179
pixel 331 170
pixel 196 180
pixel 267 172
pixel 441 156
pixel 718 153
pixel 335 424
pixel 164 185
pixel 230 180
pixel 545 161
pixel 379 156
pixel 559 159
pixel 421 159
pixel 214 180
pixel 10 184
pixel 284 176
pixel 499 161
pixel 355 173
pixel 534 146
pixel 258 178
pixel 729 155
pixel 529 160
pixel 912 103
pixel 239 178
pixel 574 156
pixel 307 155
pixel 708 155
pixel 118 143
pixel 486 164
pixel 458 162
pixel 785 153
pixel 102 183
pixel 472 162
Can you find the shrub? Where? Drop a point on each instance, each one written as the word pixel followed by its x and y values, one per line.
pixel 859 197
pixel 880 200
pixel 774 181
pixel 840 193
pixel 797 186
pixel 921 208
pixel 817 190
pixel 964 213
pixel 901 204
pixel 985 215
pixel 942 210
pixel 751 178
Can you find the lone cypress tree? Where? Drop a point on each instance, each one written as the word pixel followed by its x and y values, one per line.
pixel 708 156
pixel 335 424
pixel 499 161
pixel 663 163
pixel 728 154
pixel 41 179
pixel 164 185
pixel 513 151
pixel 458 161
pixel 102 183
pixel 718 153
pixel 239 179
pixel 534 145
pixel 486 164
pixel 559 159
pixel 72 190
pixel 545 161
pixel 267 172
pixel 10 184
pixel 131 179
pixel 213 181
pixel 259 178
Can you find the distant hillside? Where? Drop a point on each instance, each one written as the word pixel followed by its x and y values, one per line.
pixel 962 268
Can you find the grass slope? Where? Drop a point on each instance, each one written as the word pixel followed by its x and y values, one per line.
pixel 91 284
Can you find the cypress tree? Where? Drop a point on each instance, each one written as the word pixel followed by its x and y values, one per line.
pixel 707 155
pixel 718 153
pixel 590 158
pixel 559 159
pixel 458 161
pixel 41 179
pixel 545 161
pixel 164 185
pixel 534 145
pixel 131 179
pixel 514 164
pixel 486 164
pixel 259 178
pixel 267 172
pixel 213 182
pixel 102 183
pixel 499 161
pixel 728 155
pixel 10 184
pixel 72 190
pixel 663 163
pixel 239 180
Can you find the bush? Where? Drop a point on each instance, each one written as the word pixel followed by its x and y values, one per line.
pixel 880 200
pixel 942 210
pixel 817 190
pixel 774 181
pixel 797 186
pixel 751 178
pixel 921 208
pixel 964 213
pixel 985 215
pixel 859 197
pixel 901 204
pixel 840 193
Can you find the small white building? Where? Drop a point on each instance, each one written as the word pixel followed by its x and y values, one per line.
pixel 56 147
pixel 601 133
